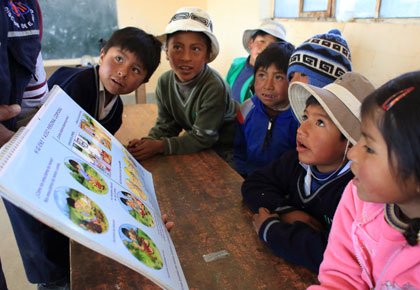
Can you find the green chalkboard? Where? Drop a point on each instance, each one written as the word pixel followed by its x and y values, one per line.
pixel 73 28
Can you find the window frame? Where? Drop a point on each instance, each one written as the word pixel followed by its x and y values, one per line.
pixel 328 13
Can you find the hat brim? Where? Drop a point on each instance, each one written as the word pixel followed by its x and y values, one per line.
pixel 250 32
pixel 347 122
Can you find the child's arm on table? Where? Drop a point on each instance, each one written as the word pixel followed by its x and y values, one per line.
pixel 145 149
pixel 293 237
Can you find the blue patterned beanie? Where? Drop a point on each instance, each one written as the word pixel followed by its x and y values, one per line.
pixel 323 58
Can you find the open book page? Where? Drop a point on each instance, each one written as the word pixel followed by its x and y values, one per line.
pixel 66 170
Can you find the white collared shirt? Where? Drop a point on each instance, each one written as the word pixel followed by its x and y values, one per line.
pixel 103 110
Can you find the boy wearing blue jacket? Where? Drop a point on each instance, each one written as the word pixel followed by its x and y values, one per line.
pixel 266 127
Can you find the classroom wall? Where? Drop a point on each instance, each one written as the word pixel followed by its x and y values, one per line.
pixel 380 50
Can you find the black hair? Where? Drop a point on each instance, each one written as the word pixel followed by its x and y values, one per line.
pixel 263 33
pixel 277 53
pixel 73 163
pixel 125 232
pixel 400 129
pixel 206 39
pixel 70 201
pixel 313 101
pixel 146 47
pixel 124 200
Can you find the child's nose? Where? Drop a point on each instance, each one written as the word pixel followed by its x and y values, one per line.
pixel 123 72
pixel 186 55
pixel 302 130
pixel 269 83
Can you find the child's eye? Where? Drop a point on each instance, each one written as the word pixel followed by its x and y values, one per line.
pixel 261 75
pixel 176 47
pixel 136 70
pixel 304 117
pixel 118 58
pixel 196 49
pixel 320 123
pixel 368 149
pixel 279 78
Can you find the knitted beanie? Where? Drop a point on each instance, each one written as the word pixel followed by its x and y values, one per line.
pixel 323 58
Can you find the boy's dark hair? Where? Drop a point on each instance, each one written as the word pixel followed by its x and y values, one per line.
pixel 125 232
pixel 70 201
pixel 124 200
pixel 313 101
pixel 277 53
pixel 400 128
pixel 206 39
pixel 145 46
pixel 73 163
pixel 263 33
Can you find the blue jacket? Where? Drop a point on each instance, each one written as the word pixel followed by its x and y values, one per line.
pixel 20 45
pixel 255 145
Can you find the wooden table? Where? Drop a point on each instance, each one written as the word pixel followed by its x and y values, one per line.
pixel 201 194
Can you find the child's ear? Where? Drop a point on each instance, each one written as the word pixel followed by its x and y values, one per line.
pixel 250 42
pixel 101 57
pixel 166 53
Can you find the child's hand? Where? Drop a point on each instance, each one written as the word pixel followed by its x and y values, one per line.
pixel 259 218
pixel 7 112
pixel 303 217
pixel 168 225
pixel 145 149
pixel 132 144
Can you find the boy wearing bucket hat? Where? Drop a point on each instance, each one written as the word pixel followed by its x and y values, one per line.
pixel 320 60
pixel 192 96
pixel 241 73
pixel 294 199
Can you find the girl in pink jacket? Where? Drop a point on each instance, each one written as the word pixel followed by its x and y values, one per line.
pixel 374 242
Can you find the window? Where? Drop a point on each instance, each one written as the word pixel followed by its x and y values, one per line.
pixel 347 9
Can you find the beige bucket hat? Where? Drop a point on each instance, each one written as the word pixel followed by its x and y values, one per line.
pixel 341 100
pixel 269 26
pixel 192 19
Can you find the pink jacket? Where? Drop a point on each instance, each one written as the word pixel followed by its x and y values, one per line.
pixel 365 252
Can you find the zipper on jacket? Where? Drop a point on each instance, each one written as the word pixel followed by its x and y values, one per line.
pixel 387 266
pixel 268 134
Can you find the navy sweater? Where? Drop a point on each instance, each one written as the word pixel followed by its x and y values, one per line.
pixel 280 188
pixel 82 85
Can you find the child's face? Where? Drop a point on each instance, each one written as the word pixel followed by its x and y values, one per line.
pixel 120 71
pixel 271 87
pixel 187 54
pixel 373 176
pixel 299 77
pixel 319 141
pixel 258 44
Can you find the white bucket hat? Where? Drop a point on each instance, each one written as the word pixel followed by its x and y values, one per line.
pixel 192 19
pixel 269 26
pixel 341 100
